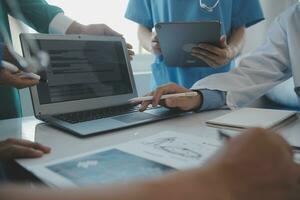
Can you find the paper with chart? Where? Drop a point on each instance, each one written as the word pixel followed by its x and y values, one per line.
pixel 174 149
pixel 147 157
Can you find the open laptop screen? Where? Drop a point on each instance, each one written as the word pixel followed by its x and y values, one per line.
pixel 83 70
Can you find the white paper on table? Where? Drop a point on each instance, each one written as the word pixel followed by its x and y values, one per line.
pixel 151 155
pixel 177 150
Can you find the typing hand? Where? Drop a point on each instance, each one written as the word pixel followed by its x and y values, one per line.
pixel 182 103
pixel 258 165
pixel 215 56
pixel 14 148
pixel 13 79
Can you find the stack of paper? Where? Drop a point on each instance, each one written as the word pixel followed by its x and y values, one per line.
pixel 246 118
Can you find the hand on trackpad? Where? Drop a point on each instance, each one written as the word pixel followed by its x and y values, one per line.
pixel 134 117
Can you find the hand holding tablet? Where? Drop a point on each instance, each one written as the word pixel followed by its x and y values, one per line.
pixel 178 39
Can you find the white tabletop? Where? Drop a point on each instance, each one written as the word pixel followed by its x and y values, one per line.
pixel 64 144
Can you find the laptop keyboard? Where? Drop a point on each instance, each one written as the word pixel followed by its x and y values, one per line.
pixel 89 115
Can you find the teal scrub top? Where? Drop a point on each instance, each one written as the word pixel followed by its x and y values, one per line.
pixel 231 14
pixel 38 15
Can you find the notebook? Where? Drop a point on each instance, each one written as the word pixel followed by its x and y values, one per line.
pixel 246 118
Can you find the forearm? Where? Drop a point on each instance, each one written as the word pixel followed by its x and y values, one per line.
pixel 142 191
pixel 91 29
pixel 75 28
pixel 124 192
pixel 38 14
pixel 192 185
pixel 144 35
pixel 237 40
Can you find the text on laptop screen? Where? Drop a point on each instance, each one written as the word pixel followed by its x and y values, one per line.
pixel 83 70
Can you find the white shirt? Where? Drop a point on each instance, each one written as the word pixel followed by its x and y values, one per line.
pixel 60 24
pixel 274 62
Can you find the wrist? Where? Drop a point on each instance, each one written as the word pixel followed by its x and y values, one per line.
pixel 76 28
pixel 232 51
pixel 198 100
pixel 217 182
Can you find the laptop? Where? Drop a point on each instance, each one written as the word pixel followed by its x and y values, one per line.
pixel 87 85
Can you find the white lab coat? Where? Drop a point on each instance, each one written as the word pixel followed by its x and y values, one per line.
pixel 274 62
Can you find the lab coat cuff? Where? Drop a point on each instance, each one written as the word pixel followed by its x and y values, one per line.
pixel 60 24
pixel 212 99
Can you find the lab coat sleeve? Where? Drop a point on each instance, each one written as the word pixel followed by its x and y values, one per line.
pixel 38 14
pixel 60 24
pixel 257 73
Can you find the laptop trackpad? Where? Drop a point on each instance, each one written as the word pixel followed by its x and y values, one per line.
pixel 134 117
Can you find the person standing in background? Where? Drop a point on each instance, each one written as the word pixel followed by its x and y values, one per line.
pixel 274 62
pixel 43 18
pixel 234 15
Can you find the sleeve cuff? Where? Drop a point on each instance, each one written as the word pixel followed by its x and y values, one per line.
pixel 212 99
pixel 60 24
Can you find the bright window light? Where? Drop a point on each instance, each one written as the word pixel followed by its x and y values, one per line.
pixel 109 12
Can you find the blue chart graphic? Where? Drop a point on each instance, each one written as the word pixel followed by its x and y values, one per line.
pixel 108 167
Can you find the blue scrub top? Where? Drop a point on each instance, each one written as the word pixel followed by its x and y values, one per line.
pixel 231 13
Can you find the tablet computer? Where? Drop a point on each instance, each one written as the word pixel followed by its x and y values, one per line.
pixel 177 39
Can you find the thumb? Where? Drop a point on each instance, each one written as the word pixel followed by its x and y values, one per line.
pixel 223 42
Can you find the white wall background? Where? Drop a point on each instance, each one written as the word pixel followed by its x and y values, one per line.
pixel 255 35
